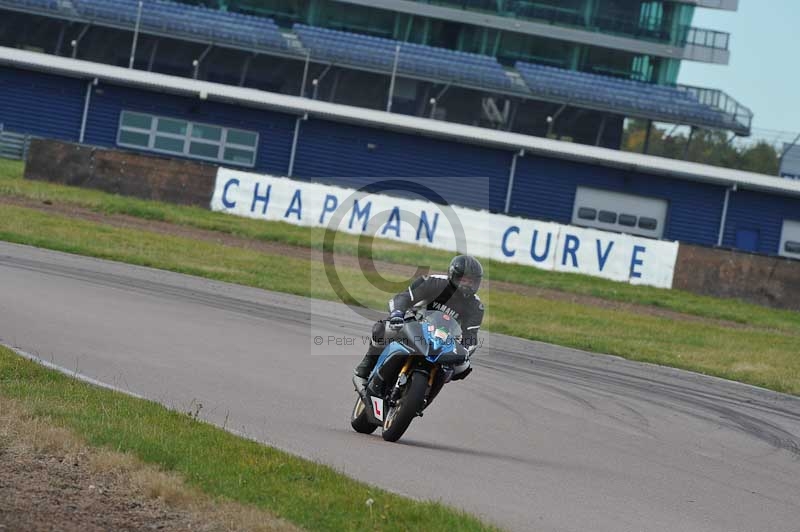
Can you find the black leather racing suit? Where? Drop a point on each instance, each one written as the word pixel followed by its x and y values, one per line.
pixel 436 293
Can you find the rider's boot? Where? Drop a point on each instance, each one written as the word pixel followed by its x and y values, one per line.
pixel 364 368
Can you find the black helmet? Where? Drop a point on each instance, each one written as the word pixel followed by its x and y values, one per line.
pixel 465 274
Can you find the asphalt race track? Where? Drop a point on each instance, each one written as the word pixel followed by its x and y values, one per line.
pixel 538 438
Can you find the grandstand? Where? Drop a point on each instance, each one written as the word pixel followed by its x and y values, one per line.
pixel 575 69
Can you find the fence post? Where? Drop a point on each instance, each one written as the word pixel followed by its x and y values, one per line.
pixel 724 218
pixel 136 33
pixel 86 102
pixel 295 140
pixel 394 76
pixel 512 173
pixel 305 74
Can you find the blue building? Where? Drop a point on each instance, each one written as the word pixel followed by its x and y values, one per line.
pixel 109 106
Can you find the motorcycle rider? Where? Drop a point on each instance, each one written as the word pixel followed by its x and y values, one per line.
pixel 454 294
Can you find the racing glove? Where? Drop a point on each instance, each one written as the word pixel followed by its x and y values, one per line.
pixel 396 320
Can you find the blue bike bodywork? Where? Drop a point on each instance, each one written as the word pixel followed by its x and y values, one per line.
pixel 418 362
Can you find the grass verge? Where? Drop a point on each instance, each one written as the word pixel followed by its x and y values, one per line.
pixel 763 356
pixel 12 184
pixel 214 461
pixel 57 480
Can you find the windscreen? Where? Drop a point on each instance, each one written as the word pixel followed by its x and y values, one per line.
pixel 443 325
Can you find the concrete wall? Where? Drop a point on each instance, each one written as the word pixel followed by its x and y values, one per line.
pixel 125 173
pixel 771 281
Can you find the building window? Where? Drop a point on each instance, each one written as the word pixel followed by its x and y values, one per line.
pixel 792 247
pixel 187 139
pixel 133 138
pixel 585 213
pixel 137 121
pixel 607 217
pixel 627 220
pixel 648 223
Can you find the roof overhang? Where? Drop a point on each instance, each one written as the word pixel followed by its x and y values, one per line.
pixel 298 106
pixel 726 5
pixel 543 29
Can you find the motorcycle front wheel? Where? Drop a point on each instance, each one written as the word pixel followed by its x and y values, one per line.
pixel 399 416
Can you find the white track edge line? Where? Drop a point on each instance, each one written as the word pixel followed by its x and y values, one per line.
pixel 72 373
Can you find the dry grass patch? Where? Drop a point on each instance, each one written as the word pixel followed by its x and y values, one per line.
pixel 26 439
pixel 19 429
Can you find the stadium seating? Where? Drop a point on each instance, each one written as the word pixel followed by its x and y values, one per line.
pixel 187 21
pixel 628 97
pixel 38 5
pixel 415 59
pixel 172 18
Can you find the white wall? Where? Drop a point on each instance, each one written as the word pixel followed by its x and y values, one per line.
pixel 542 245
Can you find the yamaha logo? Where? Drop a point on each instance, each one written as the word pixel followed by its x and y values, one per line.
pixel 447 310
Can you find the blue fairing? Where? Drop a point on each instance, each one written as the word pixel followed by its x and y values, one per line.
pixel 393 347
pixel 437 346
pixel 439 333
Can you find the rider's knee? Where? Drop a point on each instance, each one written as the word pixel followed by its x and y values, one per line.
pixel 378 332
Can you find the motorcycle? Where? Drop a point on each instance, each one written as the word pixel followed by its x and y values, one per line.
pixel 410 372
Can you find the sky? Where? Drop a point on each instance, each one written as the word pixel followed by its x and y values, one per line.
pixel 764 70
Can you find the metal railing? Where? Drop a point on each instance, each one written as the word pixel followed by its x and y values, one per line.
pixel 718 40
pixel 721 101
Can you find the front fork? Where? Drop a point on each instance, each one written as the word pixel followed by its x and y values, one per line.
pixel 402 379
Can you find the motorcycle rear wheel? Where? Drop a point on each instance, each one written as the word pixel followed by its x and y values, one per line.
pixel 399 417
pixel 359 420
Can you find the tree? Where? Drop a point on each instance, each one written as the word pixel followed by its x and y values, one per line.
pixel 762 158
pixel 708 146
